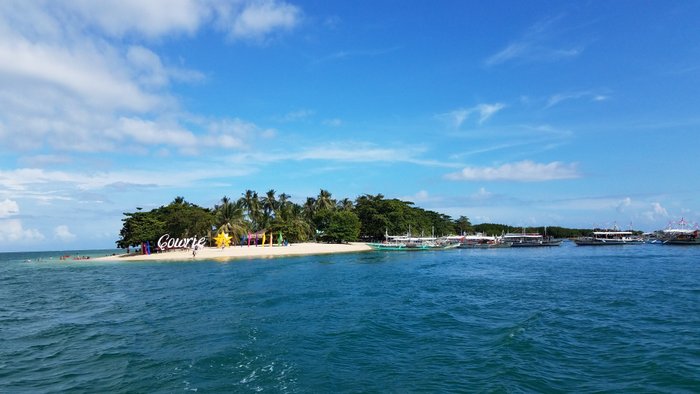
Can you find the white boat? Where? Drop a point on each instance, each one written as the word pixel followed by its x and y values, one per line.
pixel 529 240
pixel 611 237
pixel 409 243
pixel 681 235
pixel 481 241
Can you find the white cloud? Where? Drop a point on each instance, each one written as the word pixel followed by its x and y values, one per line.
pixel 422 196
pixel 151 72
pixel 38 184
pixel 482 194
pixel 256 20
pixel 63 233
pixel 297 115
pixel 8 208
pixel 70 83
pixel 657 212
pixel 488 110
pixel 560 97
pixel 457 117
pixel 153 18
pixel 335 122
pixel 626 202
pixel 537 44
pixel 12 231
pixel 523 171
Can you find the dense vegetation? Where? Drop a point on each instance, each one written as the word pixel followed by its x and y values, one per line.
pixel 319 218
pixel 556 232
pixel 553 231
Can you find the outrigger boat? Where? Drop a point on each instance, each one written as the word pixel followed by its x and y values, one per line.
pixel 681 235
pixel 608 238
pixel 529 240
pixel 408 243
pixel 481 241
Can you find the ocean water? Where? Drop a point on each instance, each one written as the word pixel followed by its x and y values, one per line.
pixel 566 319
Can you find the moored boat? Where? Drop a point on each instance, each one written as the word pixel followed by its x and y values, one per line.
pixel 681 235
pixel 529 240
pixel 408 243
pixel 609 238
pixel 481 241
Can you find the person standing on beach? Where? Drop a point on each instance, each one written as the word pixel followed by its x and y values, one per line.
pixel 194 250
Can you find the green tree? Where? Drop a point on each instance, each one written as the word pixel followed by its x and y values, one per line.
pixel 343 226
pixel 230 218
pixel 180 219
pixel 140 227
pixel 251 203
pixel 324 201
pixel 463 225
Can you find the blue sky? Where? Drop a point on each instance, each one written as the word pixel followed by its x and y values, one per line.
pixel 555 113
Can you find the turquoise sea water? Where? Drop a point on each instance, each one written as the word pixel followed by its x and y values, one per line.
pixel 567 319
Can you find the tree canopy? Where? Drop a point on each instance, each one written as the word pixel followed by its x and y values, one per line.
pixel 368 217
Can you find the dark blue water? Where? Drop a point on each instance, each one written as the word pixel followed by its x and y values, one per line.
pixel 567 319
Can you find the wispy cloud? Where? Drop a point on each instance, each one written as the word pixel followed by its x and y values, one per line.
pixel 626 202
pixel 523 171
pixel 537 44
pixel 256 20
pixel 457 117
pixel 481 194
pixel 347 54
pixel 334 122
pixel 297 115
pixel 346 152
pixel 656 212
pixel 590 95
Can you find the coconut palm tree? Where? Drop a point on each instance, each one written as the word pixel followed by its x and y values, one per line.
pixel 283 205
pixel 230 217
pixel 324 200
pixel 309 208
pixel 251 204
pixel 296 227
pixel 345 204
pixel 269 203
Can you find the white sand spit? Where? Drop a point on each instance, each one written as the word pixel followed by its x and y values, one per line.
pixel 236 252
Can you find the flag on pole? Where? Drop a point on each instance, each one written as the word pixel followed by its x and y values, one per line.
pixel 263 240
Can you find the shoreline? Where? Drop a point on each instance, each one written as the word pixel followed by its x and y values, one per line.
pixel 238 252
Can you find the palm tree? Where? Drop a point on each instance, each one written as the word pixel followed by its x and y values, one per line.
pixel 269 203
pixel 345 204
pixel 230 217
pixel 296 227
pixel 324 200
pixel 283 205
pixel 251 203
pixel 309 208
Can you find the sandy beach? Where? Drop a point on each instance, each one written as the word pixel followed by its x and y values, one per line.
pixel 237 252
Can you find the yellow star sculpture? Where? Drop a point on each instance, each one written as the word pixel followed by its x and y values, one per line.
pixel 223 239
